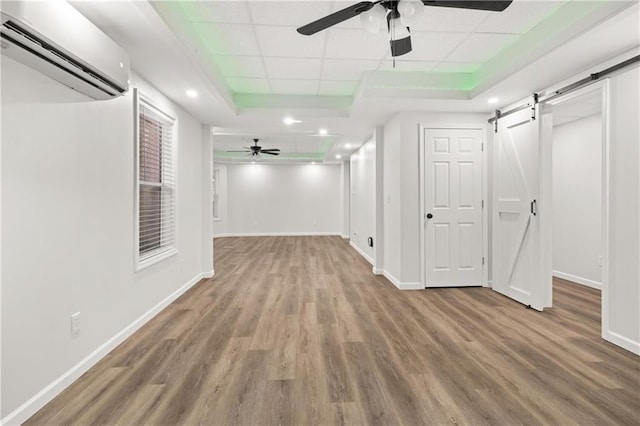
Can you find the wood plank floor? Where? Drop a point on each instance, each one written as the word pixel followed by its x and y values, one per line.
pixel 297 331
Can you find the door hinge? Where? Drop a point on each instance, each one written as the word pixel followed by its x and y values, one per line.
pixel 482 147
pixel 483 260
pixel 483 204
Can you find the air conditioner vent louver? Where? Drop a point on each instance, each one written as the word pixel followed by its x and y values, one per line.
pixel 71 50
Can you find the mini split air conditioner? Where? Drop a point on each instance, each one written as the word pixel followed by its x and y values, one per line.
pixel 55 39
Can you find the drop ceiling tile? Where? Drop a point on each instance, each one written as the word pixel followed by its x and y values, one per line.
pixel 240 66
pixel 432 47
pixel 356 44
pixel 446 19
pixel 308 69
pixel 289 13
pixel 248 85
pixel 457 67
pixel 227 39
pixel 349 23
pixel 294 87
pixel 346 69
pixel 404 65
pixel 230 12
pixel 338 88
pixel 520 17
pixel 481 47
pixel 286 42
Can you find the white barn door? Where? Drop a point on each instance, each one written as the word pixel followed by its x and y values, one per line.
pixel 453 207
pixel 517 260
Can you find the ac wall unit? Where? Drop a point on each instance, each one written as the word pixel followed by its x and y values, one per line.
pixel 55 39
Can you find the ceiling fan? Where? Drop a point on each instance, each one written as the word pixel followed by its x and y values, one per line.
pixel 399 16
pixel 256 150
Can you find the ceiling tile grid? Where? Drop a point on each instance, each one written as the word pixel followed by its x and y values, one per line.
pixel 254 46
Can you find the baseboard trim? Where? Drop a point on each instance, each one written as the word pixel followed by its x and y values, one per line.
pixel 346 237
pixel 622 341
pixel 377 271
pixel 400 285
pixel 39 400
pixel 361 252
pixel 278 234
pixel 578 280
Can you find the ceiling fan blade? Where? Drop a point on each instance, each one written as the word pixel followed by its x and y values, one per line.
pixel 336 18
pixel 269 150
pixel 238 151
pixel 495 6
pixel 269 153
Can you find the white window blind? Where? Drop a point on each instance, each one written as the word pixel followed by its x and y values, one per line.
pixel 156 184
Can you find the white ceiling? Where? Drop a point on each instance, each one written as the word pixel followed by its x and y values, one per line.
pixel 293 147
pixel 255 47
pixel 576 37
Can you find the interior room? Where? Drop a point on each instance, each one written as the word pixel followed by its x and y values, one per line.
pixel 320 212
pixel 577 189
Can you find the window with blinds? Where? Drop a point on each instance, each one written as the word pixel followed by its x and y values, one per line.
pixel 156 185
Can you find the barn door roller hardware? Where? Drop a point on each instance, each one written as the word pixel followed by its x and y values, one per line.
pixel 566 89
pixel 497 115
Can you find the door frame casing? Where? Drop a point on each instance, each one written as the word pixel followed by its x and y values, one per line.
pixel 485 223
pixel 602 85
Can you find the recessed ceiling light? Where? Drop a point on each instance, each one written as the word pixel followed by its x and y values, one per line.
pixel 290 120
pixel 493 100
pixel 347 145
pixel 313 162
pixel 338 156
pixel 253 162
pixel 192 93
pixel 323 131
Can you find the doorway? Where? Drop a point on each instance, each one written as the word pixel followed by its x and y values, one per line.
pixel 577 189
pixel 579 197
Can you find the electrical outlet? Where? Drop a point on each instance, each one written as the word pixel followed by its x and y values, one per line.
pixel 75 324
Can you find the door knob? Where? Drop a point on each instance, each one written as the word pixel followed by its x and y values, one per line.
pixel 429 216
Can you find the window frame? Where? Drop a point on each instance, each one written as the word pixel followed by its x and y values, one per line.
pixel 154 256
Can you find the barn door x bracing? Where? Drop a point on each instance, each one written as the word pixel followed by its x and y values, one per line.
pixel 519 268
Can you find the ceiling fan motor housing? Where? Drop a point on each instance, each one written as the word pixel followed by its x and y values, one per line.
pixel 400 37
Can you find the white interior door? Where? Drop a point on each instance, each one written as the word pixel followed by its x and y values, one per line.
pixel 517 236
pixel 453 207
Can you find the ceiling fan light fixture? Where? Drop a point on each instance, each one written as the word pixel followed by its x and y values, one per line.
pixel 373 18
pixel 410 11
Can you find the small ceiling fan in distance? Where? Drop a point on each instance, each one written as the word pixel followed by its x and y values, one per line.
pixel 399 16
pixel 256 150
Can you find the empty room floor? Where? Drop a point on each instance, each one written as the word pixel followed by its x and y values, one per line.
pixel 297 330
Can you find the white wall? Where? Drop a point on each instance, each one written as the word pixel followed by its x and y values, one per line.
pixel 68 227
pixel 267 199
pixel 221 223
pixel 402 189
pixel 363 198
pixel 623 327
pixel 577 200
pixel 345 177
